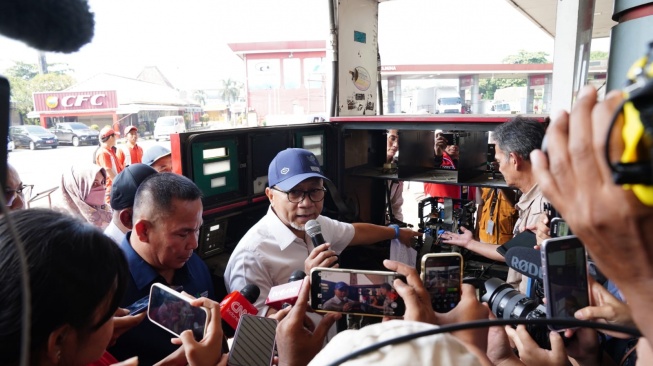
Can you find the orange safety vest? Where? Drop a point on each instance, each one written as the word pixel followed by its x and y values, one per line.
pixel 503 214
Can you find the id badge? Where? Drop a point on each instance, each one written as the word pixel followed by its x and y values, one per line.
pixel 489 228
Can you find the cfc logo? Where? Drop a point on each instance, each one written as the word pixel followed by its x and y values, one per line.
pixel 52 101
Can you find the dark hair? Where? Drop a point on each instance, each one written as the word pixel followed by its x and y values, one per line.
pixel 521 135
pixel 386 286
pixel 72 268
pixel 158 191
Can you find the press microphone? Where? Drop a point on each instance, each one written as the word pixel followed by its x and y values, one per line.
pixel 234 305
pixel 48 25
pixel 286 293
pixel 314 230
pixel 526 261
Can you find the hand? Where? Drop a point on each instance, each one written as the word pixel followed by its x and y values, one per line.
pixel 208 351
pixel 321 256
pixel 440 144
pixel 297 345
pixel 541 230
pixel 607 309
pixel 467 310
pixel 406 236
pixel 416 298
pixel 461 240
pixel 576 151
pixel 531 354
pixel 583 346
pixel 499 350
pixel 123 322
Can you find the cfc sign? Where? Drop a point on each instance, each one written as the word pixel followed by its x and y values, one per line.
pixel 75 100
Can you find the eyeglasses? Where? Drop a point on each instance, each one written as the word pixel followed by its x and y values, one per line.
pixel 297 196
pixel 11 194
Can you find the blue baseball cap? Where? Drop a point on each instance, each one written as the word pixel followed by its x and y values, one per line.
pixel 291 167
pixel 341 285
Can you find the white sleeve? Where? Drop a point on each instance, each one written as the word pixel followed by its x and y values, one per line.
pixel 247 267
pixel 338 233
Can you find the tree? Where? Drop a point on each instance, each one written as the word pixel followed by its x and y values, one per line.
pixel 598 55
pixel 200 96
pixel 25 80
pixel 487 87
pixel 524 57
pixel 230 91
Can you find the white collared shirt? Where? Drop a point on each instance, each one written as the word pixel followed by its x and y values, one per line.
pixel 269 252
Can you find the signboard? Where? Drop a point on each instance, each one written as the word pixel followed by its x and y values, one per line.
pixel 75 101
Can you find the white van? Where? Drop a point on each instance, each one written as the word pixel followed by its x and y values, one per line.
pixel 164 126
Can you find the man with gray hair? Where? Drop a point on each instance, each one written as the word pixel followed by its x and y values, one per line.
pixel 514 141
pixel 167 217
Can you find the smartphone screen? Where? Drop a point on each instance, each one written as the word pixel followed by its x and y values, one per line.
pixel 356 292
pixel 559 228
pixel 442 277
pixel 140 305
pixel 254 341
pixel 564 274
pixel 174 313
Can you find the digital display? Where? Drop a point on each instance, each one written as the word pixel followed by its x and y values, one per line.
pixel 442 276
pixel 171 311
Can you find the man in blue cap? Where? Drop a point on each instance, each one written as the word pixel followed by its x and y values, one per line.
pixel 339 301
pixel 277 245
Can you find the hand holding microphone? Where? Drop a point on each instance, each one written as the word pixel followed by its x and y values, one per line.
pixel 321 255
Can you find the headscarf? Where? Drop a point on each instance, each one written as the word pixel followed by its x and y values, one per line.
pixel 76 184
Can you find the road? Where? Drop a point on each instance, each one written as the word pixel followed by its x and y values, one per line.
pixel 43 168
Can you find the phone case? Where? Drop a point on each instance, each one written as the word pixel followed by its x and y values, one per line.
pixel 445 291
pixel 254 342
pixel 363 294
pixel 173 312
pixel 576 296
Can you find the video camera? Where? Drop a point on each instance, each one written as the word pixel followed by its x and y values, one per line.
pixel 444 214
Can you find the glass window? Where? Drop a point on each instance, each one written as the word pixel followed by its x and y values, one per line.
pixel 263 74
pixel 314 72
pixel 292 73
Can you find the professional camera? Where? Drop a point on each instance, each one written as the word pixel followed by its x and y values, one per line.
pixel 508 303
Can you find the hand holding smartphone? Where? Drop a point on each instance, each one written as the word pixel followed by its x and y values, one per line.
pixel 442 275
pixel 173 312
pixel 356 292
pixel 564 273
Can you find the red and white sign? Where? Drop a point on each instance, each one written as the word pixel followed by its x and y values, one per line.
pixel 537 80
pixel 466 81
pixel 73 101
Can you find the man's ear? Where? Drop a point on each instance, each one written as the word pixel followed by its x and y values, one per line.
pixel 126 217
pixel 516 161
pixel 142 229
pixel 268 192
pixel 56 343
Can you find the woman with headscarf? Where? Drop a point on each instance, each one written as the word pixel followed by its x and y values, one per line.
pixel 82 191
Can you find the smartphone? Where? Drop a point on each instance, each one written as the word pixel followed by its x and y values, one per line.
pixel 559 228
pixel 254 341
pixel 442 275
pixel 354 291
pixel 564 273
pixel 140 305
pixel 173 312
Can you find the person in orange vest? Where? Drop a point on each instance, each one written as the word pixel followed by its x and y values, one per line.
pixel 107 159
pixel 130 153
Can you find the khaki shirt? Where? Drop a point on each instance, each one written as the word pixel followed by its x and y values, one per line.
pixel 530 206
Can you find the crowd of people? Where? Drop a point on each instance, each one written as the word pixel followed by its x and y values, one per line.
pixel 80 279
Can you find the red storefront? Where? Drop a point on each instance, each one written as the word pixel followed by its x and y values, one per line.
pixel 102 103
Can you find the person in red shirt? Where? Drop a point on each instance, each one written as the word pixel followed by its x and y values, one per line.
pixel 107 159
pixel 130 153
pixel 447 154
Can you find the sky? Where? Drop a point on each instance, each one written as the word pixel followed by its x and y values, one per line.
pixel 188 40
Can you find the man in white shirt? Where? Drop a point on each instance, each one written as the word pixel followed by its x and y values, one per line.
pixel 278 245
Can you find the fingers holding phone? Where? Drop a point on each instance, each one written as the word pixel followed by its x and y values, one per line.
pixel 418 302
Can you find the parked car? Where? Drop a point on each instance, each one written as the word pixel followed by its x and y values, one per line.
pixel 164 126
pixel 75 133
pixel 10 144
pixel 33 137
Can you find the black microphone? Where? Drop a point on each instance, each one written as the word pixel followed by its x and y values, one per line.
pixel 314 230
pixel 296 276
pixel 48 25
pixel 526 261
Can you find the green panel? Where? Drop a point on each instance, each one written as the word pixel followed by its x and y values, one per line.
pixel 313 141
pixel 215 166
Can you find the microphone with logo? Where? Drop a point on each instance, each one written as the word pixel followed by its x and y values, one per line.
pixel 234 305
pixel 286 293
pixel 314 230
pixel 528 262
